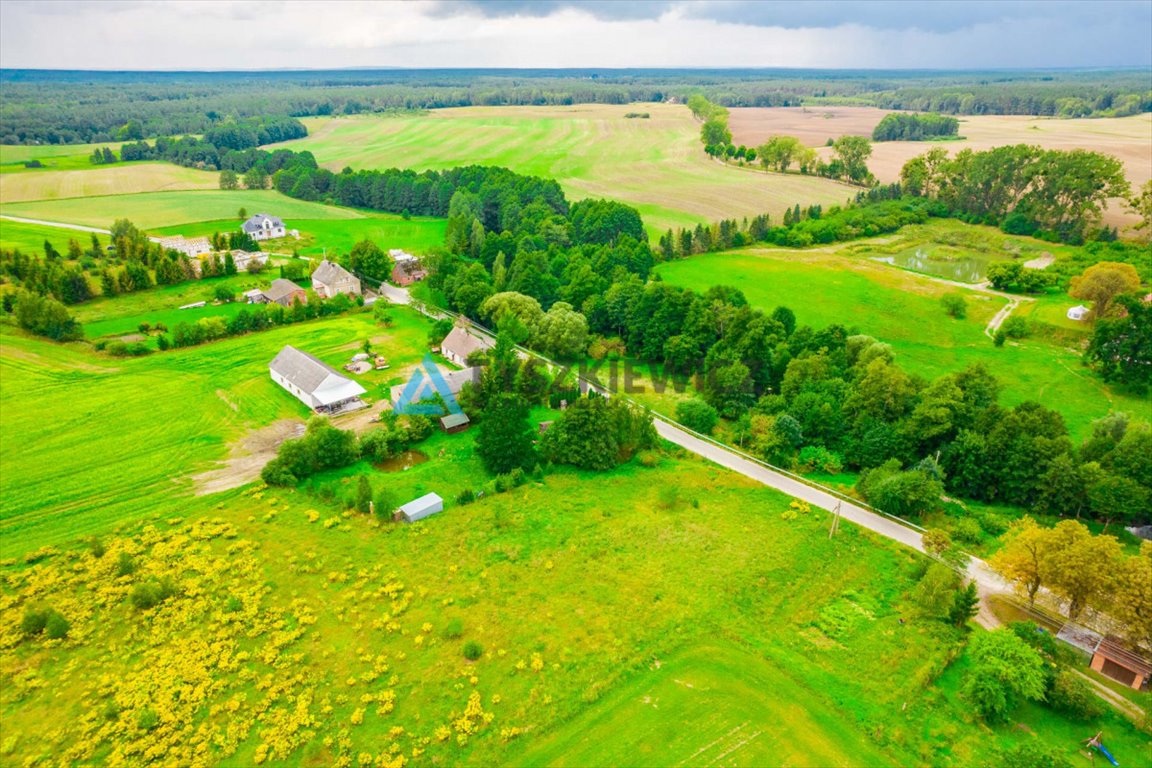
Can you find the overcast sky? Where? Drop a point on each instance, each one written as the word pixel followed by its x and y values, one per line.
pixel 221 34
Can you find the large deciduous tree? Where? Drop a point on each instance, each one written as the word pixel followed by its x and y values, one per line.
pixel 506 438
pixel 1004 670
pixel 1103 282
pixel 853 153
pixel 1121 347
pixel 1080 567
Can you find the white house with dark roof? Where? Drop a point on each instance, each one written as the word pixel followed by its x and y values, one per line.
pixel 330 279
pixel 315 383
pixel 461 343
pixel 264 227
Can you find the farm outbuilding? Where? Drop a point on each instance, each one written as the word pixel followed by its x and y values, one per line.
pixel 1079 312
pixel 284 292
pixel 1121 664
pixel 420 508
pixel 454 422
pixel 315 383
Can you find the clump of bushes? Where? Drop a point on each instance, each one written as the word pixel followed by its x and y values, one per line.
pixel 47 622
pixel 473 650
pixel 453 630
pixel 149 594
pixel 465 497
pixel 954 305
pixel 322 447
pixel 697 415
pixel 818 458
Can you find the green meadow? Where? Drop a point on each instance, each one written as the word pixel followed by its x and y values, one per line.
pixel 147 424
pixel 665 612
pixel 903 309
pixel 29 238
pixel 319 237
pixel 150 210
pixel 654 164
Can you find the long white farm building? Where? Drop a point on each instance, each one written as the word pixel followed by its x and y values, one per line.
pixel 315 383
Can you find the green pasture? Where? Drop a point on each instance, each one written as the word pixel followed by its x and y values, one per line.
pixel 320 236
pixel 29 238
pixel 151 210
pixel 647 615
pixel 147 424
pixel 140 306
pixel 11 154
pixel 656 165
pixel 903 309
pixel 742 711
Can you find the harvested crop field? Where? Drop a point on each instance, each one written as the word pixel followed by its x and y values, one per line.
pixel 1127 138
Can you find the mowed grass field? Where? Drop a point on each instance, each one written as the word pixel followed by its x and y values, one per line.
pixel 151 210
pixel 97 181
pixel 30 238
pixel 324 229
pixel 147 425
pixel 824 286
pixel 742 709
pixel 319 237
pixel 656 164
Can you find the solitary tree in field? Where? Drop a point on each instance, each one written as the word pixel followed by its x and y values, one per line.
pixel 1103 282
pixel 363 495
pixel 229 179
pixel 256 178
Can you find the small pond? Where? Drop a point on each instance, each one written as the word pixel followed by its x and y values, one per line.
pixel 402 461
pixel 949 263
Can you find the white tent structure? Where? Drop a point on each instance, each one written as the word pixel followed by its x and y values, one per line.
pixel 314 383
pixel 1079 312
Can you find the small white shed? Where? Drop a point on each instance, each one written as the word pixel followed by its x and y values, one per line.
pixel 1079 312
pixel 420 508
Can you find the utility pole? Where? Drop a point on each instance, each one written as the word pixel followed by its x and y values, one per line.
pixel 835 521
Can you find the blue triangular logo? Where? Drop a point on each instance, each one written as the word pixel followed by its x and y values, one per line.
pixel 426 377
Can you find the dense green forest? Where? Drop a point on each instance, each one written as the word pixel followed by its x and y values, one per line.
pixel 66 107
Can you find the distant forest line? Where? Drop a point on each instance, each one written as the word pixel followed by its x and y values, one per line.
pixel 70 107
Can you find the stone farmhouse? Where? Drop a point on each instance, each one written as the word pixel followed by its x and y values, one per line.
pixel 330 279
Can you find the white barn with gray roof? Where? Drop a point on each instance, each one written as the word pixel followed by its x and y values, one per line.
pixel 313 382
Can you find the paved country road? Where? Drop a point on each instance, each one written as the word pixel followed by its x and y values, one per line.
pixel 986 579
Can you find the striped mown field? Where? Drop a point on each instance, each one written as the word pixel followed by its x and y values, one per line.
pixel 593 150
